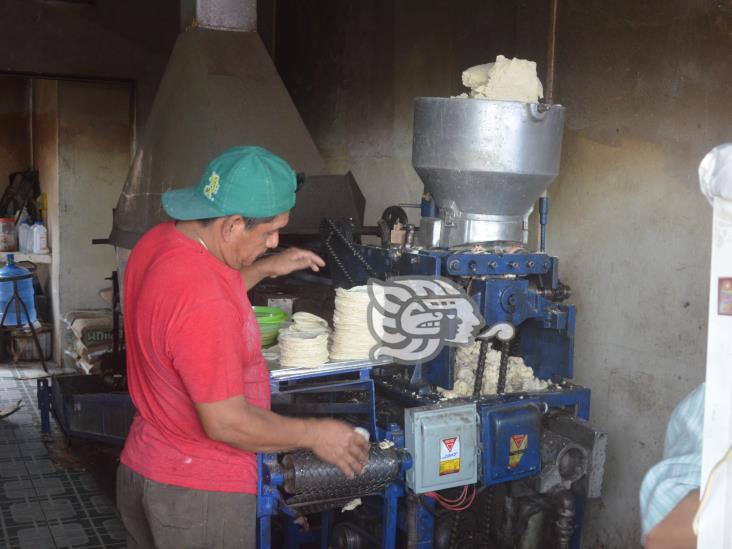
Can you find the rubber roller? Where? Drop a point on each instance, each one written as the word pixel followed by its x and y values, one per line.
pixel 307 477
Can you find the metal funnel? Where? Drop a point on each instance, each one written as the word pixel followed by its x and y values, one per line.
pixel 220 89
pixel 486 160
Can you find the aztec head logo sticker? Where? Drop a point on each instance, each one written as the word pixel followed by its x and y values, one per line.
pixel 412 317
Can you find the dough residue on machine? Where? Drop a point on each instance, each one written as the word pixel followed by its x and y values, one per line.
pixel 504 80
pixel 519 376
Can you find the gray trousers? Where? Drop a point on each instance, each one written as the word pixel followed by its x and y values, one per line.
pixel 161 516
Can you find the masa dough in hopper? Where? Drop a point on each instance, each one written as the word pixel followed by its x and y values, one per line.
pixel 504 80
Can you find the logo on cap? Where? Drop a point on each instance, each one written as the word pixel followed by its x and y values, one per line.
pixel 210 190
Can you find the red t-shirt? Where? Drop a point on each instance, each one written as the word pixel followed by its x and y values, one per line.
pixel 192 336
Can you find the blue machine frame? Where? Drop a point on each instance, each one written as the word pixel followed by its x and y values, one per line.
pixel 522 289
pixel 547 327
pixel 269 499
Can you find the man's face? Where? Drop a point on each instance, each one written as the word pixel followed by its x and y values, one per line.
pixel 243 246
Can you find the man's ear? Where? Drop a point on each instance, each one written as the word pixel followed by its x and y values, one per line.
pixel 230 226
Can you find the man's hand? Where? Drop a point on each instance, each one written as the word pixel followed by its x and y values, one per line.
pixel 281 264
pixel 291 260
pixel 233 421
pixel 338 443
pixel 675 531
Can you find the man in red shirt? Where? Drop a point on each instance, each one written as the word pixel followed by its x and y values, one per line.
pixel 188 475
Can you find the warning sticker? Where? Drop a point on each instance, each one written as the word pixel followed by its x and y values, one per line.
pixel 516 448
pixel 449 456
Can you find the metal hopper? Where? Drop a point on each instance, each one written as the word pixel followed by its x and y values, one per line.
pixel 484 163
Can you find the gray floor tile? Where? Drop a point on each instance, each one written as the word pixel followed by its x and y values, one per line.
pixel 17 489
pixel 13 469
pixel 26 512
pixel 101 505
pixel 49 486
pixel 115 529
pixel 42 467
pixel 9 451
pixel 44 504
pixel 69 535
pixel 7 436
pixel 58 509
pixel 36 538
pixel 32 449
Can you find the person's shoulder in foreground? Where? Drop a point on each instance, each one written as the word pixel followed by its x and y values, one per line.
pixel 668 484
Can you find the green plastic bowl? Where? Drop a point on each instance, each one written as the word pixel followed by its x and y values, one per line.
pixel 269 320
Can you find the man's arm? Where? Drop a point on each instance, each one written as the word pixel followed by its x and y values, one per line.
pixel 281 264
pixel 669 494
pixel 235 422
pixel 675 531
pixel 253 274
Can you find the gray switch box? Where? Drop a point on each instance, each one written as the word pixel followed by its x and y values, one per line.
pixel 443 443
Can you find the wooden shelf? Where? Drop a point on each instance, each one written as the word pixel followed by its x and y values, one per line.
pixel 23 256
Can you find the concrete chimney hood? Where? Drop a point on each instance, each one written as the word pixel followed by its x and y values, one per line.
pixel 220 89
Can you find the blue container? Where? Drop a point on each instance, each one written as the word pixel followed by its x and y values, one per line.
pixel 23 279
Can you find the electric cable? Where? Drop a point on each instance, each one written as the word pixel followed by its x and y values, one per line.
pixel 708 489
pixel 459 499
pixel 462 504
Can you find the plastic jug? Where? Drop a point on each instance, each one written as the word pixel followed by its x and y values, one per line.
pixel 23 279
pixel 39 239
pixel 24 236
pixel 7 234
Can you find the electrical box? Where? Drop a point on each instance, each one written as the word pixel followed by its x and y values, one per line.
pixel 511 442
pixel 443 443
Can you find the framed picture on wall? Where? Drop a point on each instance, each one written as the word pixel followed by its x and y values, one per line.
pixel 725 297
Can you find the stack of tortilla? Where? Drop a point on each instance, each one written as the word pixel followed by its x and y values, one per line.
pixel 352 338
pixel 305 342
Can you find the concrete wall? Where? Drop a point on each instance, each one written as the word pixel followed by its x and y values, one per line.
pixel 128 41
pixel 110 39
pixel 353 69
pixel 81 138
pixel 94 154
pixel 15 135
pixel 647 89
pixel 45 153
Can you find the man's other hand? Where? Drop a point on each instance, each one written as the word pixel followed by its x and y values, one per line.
pixel 675 531
pixel 291 260
pixel 338 443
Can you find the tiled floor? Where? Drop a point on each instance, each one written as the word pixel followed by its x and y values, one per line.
pixel 45 502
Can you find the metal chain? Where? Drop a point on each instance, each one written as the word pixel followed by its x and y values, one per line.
pixel 350 246
pixel 486 526
pixel 478 383
pixel 455 530
pixel 336 259
pixel 503 368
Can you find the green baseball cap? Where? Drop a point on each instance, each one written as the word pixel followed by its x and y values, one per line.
pixel 247 181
